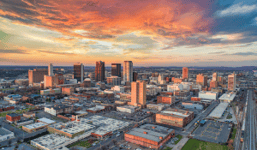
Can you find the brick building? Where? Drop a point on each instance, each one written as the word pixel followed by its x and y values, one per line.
pixel 13 117
pixel 165 100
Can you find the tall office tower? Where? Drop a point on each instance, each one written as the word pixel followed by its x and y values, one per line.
pixel 116 69
pixel 127 71
pixel 138 93
pixel 50 69
pixel 36 75
pixel 135 76
pixel 201 79
pixel 79 72
pixel 99 71
pixel 215 76
pixel 185 73
pixel 232 82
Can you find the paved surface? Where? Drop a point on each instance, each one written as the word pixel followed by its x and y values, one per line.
pixel 180 144
pixel 214 132
pixel 250 132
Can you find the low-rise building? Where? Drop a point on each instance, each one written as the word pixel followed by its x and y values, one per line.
pixel 228 97
pixel 96 109
pixel 149 135
pixel 165 100
pixel 127 108
pixel 34 127
pixel 192 105
pixel 51 91
pixel 157 107
pixel 218 111
pixel 6 134
pixel 29 114
pixel 208 95
pixel 57 109
pixel 175 117
pixel 13 117
pixel 46 121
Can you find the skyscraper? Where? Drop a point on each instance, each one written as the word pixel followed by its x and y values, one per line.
pixel 127 71
pixel 99 71
pixel 185 73
pixel 116 69
pixel 201 79
pixel 215 76
pixel 138 93
pixel 36 75
pixel 78 72
pixel 50 69
pixel 232 82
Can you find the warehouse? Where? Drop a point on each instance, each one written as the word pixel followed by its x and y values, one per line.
pixel 158 107
pixel 175 117
pixel 149 135
pixel 34 127
pixel 218 111
pixel 5 134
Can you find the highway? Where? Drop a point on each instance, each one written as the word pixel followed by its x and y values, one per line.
pixel 250 131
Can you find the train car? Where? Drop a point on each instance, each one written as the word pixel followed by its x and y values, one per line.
pixel 242 133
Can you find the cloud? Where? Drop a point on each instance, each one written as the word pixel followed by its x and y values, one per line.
pixel 245 54
pixel 219 52
pixel 237 9
pixel 15 51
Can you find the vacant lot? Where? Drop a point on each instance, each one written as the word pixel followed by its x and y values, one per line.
pixel 194 144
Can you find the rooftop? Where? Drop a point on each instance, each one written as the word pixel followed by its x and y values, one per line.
pixel 13 115
pixel 218 111
pixel 228 96
pixel 151 132
pixel 4 131
pixel 35 125
pixel 176 112
pixel 46 120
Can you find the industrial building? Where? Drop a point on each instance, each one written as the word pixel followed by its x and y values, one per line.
pixel 228 97
pixel 6 134
pixel 208 95
pixel 34 127
pixel 218 111
pixel 96 109
pixel 71 129
pixel 106 126
pixel 13 117
pixel 149 135
pixel 175 117
pixel 158 107
pixel 127 109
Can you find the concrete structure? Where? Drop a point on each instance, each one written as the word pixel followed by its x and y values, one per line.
pixel 22 82
pixel 228 97
pixel 185 73
pixel 71 129
pixel 175 117
pixel 79 72
pixel 13 117
pixel 201 79
pixel 232 82
pixel 34 127
pixel 100 71
pixel 192 105
pixel 152 90
pixel 138 94
pixel 218 111
pixel 46 121
pixel 208 95
pixel 116 69
pixel 36 75
pixel 158 107
pixel 118 89
pixel 50 70
pixel 96 109
pixel 165 100
pixel 114 80
pixel 6 134
pixel 126 108
pixel 149 135
pixel 57 109
pixel 127 71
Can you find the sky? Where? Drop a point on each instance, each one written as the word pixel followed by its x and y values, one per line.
pixel 147 32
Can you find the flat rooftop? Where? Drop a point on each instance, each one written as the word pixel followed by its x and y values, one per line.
pixel 46 120
pixel 50 141
pixel 228 96
pixel 35 125
pixel 154 132
pixel 4 131
pixel 176 112
pixel 218 111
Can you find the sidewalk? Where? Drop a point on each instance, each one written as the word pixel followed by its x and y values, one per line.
pixel 180 144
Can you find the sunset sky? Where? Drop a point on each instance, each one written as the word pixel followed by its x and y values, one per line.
pixel 147 32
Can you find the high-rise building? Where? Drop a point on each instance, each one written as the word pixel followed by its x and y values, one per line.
pixel 138 93
pixel 135 76
pixel 114 80
pixel 99 71
pixel 215 76
pixel 201 79
pixel 185 73
pixel 36 75
pixel 116 69
pixel 232 82
pixel 127 71
pixel 50 70
pixel 79 72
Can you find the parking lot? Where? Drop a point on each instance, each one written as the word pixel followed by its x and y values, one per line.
pixel 214 132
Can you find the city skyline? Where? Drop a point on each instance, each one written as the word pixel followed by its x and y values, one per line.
pixel 149 33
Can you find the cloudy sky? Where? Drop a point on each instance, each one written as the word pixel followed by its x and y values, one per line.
pixel 147 32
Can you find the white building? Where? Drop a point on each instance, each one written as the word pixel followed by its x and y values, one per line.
pixel 228 97
pixel 152 90
pixel 118 89
pixel 180 87
pixel 208 95
pixel 6 134
pixel 127 109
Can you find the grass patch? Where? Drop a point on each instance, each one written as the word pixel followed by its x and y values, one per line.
pixel 81 143
pixel 179 138
pixel 229 116
pixel 167 148
pixel 193 144
pixel 3 114
pixel 233 133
